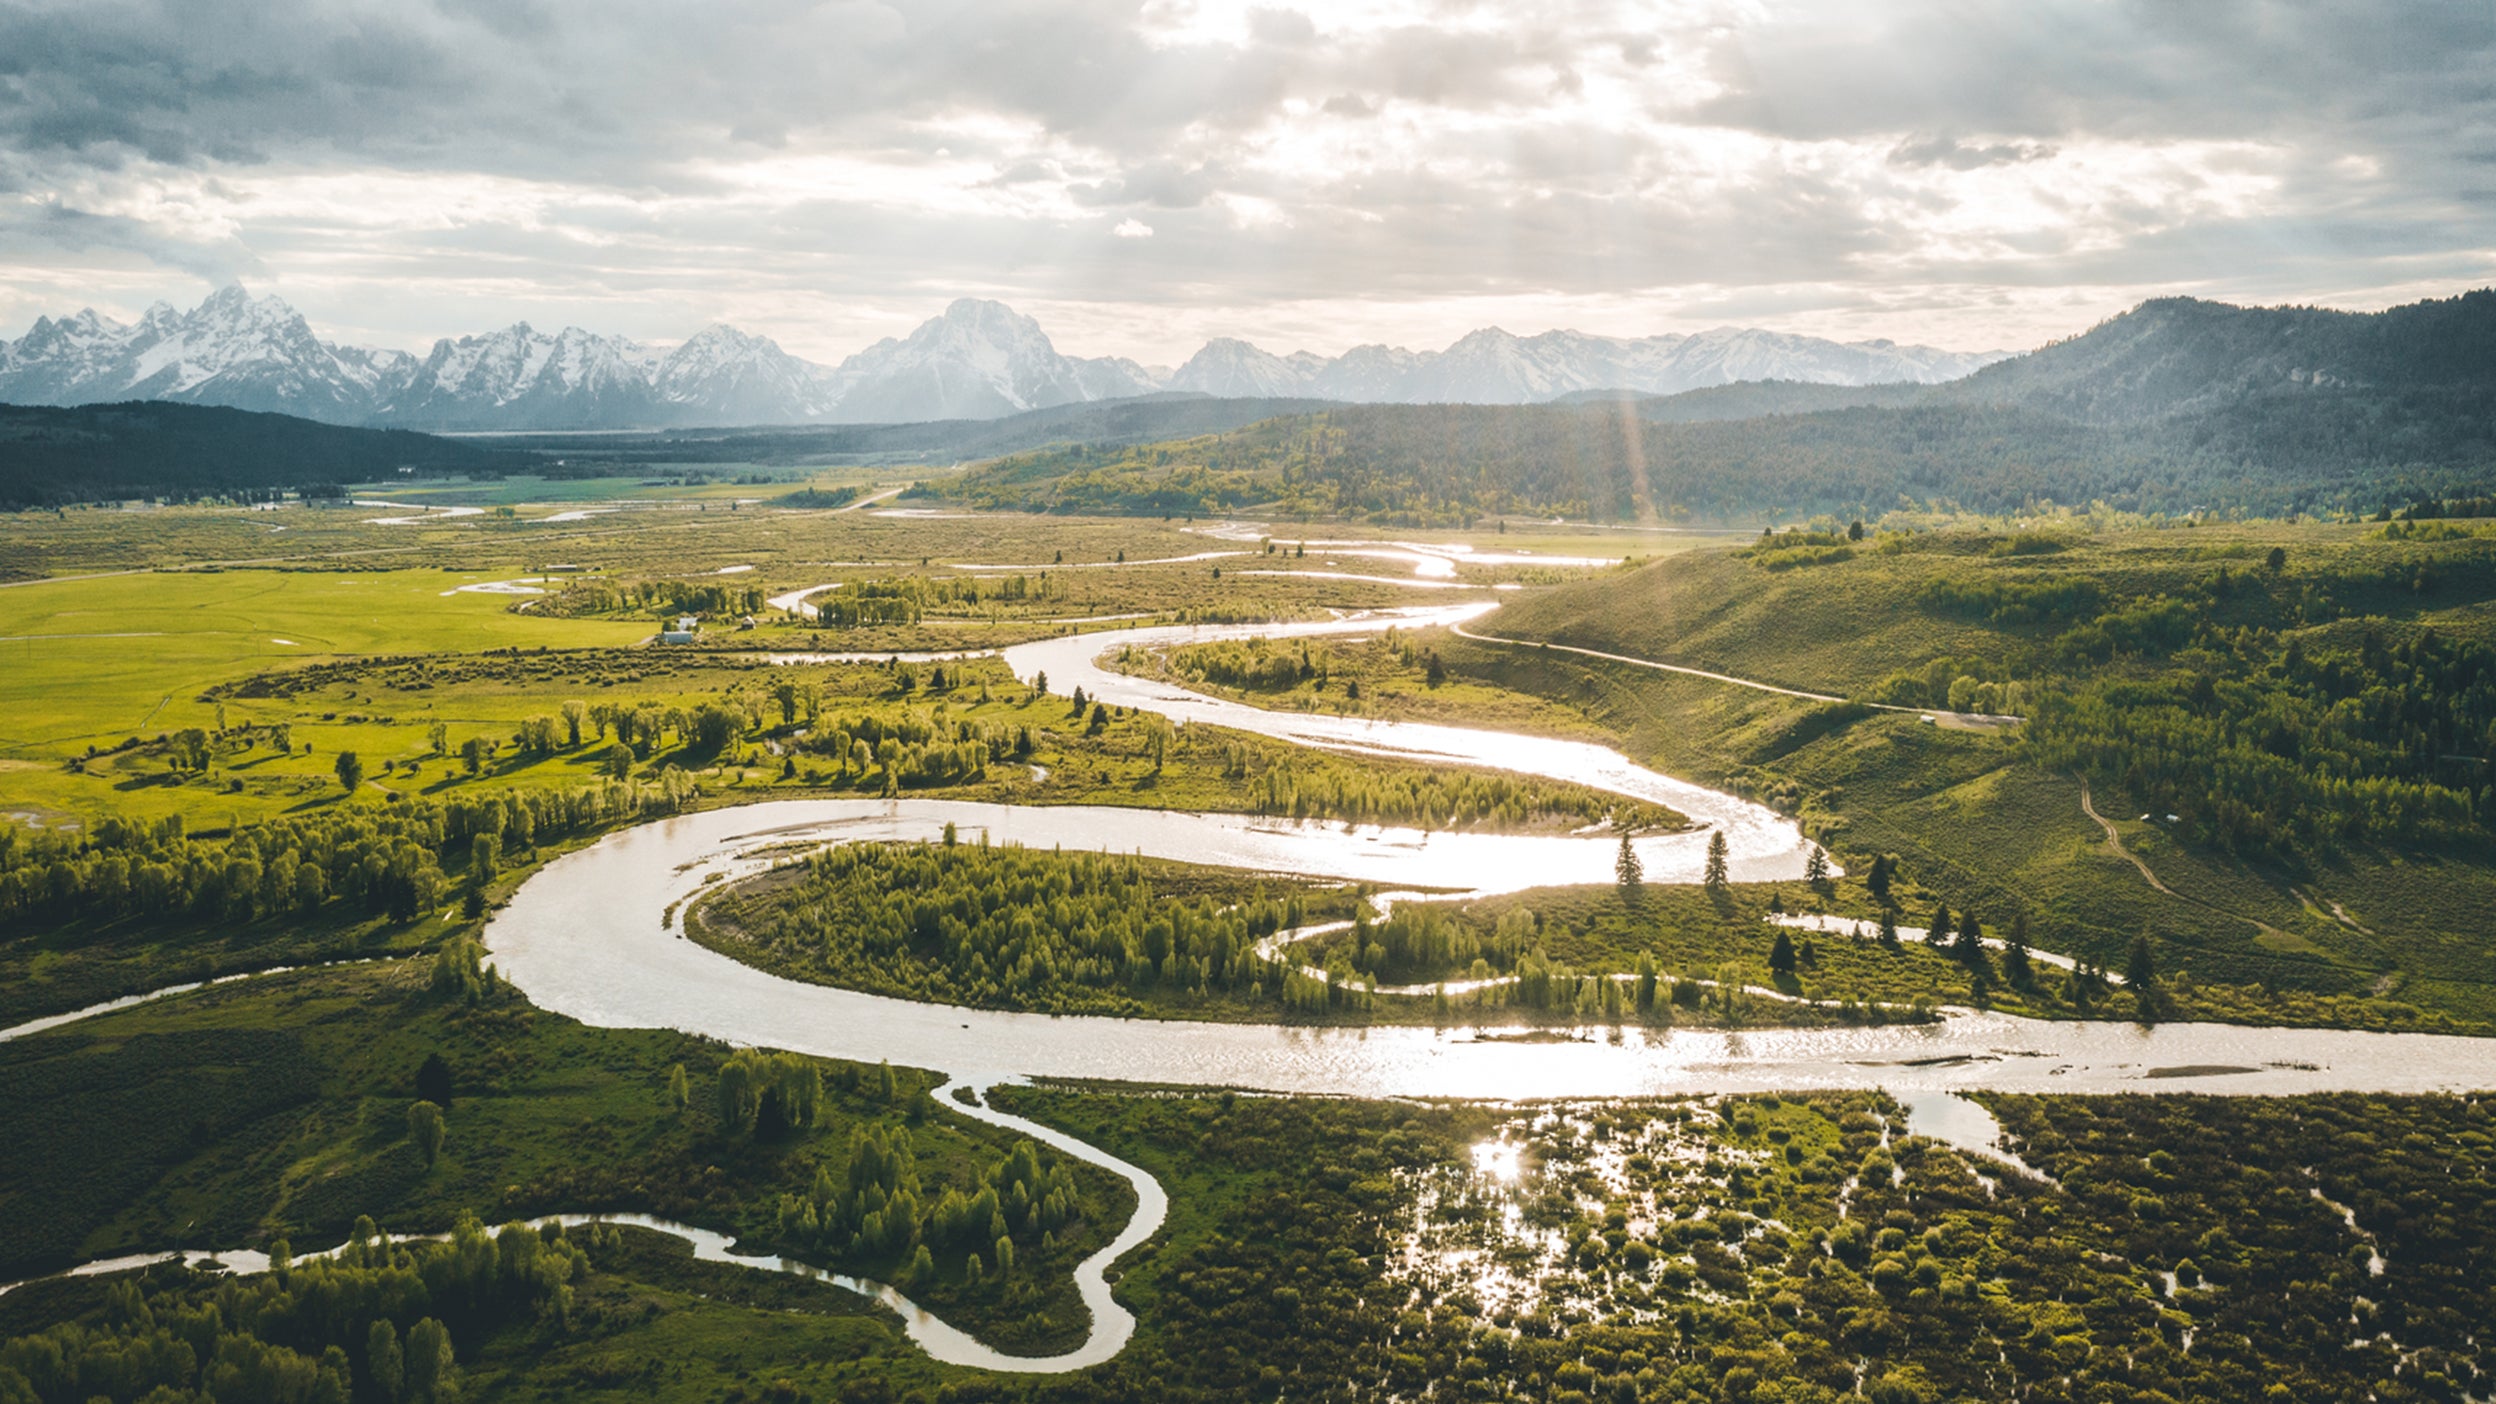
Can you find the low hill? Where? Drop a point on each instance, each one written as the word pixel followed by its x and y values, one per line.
pixel 102 453
pixel 2176 406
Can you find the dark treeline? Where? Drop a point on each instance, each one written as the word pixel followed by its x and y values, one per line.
pixel 104 453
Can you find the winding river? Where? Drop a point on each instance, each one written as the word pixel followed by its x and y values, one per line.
pixel 593 936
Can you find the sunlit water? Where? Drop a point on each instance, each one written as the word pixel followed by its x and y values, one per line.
pixel 1763 845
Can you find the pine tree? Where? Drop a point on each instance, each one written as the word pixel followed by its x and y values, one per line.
pixel 1716 876
pixel 2140 968
pixel 1877 880
pixel 1628 871
pixel 1816 871
pixel 1889 929
pixel 2016 966
pixel 1781 958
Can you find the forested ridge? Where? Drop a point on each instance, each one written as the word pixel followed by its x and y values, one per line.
pixel 103 453
pixel 2177 406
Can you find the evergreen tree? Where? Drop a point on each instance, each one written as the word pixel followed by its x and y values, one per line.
pixel 1816 871
pixel 1889 928
pixel 2140 967
pixel 1781 959
pixel 2016 967
pixel 1628 871
pixel 1877 880
pixel 1717 876
pixel 433 1080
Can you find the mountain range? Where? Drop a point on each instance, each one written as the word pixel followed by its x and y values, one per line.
pixel 2178 406
pixel 976 360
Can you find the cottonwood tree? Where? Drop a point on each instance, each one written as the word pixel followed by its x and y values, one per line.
pixel 384 1365
pixel 350 770
pixel 432 1372
pixel 424 1127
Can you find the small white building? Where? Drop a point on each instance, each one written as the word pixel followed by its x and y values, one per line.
pixel 683 631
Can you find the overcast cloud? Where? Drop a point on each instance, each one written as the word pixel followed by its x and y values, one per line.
pixel 1142 176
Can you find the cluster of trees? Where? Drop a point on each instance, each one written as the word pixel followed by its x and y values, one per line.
pixel 905 599
pixel 2289 752
pixel 384 860
pixel 658 598
pixel 910 750
pixel 1008 927
pixel 1317 787
pixel 870 1208
pixel 377 1321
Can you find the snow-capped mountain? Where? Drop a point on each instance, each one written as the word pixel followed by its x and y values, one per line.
pixel 721 375
pixel 522 378
pixel 233 349
pixel 1231 369
pixel 1492 366
pixel 977 360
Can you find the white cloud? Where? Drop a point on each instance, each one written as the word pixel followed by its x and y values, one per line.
pixel 1368 169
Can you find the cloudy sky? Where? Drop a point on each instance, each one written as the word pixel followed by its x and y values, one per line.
pixel 1142 175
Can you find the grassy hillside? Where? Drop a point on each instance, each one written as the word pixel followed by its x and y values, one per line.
pixel 2320 732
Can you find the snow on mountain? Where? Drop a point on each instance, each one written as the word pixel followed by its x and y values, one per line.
pixel 721 375
pixel 233 349
pixel 979 360
pixel 1364 373
pixel 522 378
pixel 1231 369
pixel 976 360
pixel 1493 366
